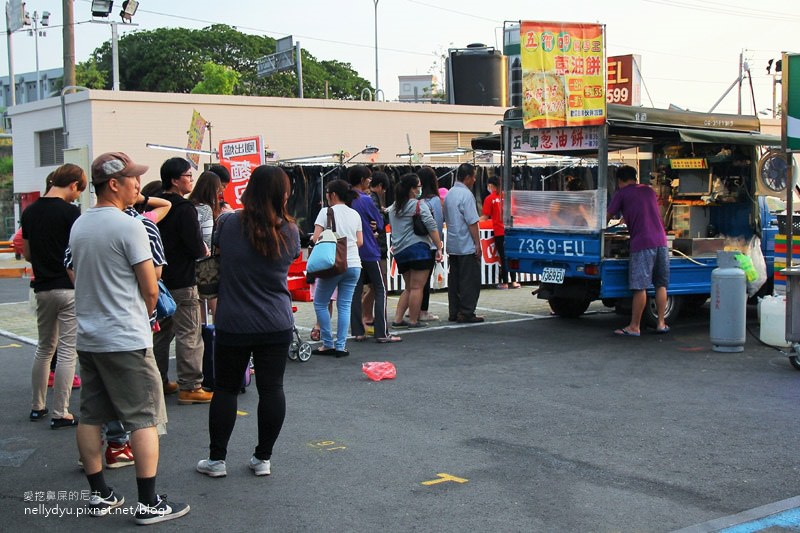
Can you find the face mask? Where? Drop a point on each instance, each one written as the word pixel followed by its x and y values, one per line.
pixel 419 193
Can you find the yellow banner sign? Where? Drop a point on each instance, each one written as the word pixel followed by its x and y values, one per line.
pixel 563 74
pixel 688 163
pixel 197 130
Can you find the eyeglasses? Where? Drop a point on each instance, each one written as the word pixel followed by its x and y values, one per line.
pixel 186 175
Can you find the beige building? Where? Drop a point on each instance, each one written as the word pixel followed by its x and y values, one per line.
pixel 92 122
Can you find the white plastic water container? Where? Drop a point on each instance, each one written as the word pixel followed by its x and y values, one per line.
pixel 772 312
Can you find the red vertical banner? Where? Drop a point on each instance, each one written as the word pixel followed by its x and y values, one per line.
pixel 563 74
pixel 240 157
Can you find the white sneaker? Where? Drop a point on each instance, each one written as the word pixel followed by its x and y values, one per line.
pixel 427 316
pixel 259 467
pixel 212 468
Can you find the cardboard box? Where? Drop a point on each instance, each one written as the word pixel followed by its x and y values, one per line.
pixel 698 247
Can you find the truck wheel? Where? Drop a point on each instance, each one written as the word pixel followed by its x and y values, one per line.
pixel 650 314
pixel 568 307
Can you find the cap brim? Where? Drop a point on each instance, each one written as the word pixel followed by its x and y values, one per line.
pixel 135 170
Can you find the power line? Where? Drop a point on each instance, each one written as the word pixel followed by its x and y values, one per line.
pixel 277 33
pixel 741 12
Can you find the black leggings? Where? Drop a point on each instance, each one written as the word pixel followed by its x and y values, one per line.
pixel 500 246
pixel 230 363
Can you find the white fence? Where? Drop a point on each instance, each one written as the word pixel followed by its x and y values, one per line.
pixel 490 264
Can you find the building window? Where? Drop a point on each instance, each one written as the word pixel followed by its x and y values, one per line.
pixel 51 147
pixel 448 141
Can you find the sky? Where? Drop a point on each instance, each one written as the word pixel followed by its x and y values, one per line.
pixel 690 49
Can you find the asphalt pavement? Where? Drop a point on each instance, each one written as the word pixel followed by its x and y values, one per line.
pixel 526 423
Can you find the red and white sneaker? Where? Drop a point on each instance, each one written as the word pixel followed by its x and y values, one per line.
pixel 119 456
pixel 76 382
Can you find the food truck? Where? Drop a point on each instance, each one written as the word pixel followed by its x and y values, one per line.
pixel 715 177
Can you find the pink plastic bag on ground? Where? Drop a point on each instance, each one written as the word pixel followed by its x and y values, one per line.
pixel 377 371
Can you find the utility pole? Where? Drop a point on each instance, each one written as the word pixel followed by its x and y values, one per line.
pixel 69 42
pixel 377 87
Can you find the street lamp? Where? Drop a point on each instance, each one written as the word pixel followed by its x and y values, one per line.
pixel 376 49
pixel 102 8
pixel 36 34
pixel 129 8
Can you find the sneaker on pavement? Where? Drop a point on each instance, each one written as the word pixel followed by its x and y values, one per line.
pixel 76 382
pixel 60 423
pixel 199 395
pixel 259 467
pixel 427 316
pixel 99 506
pixel 162 511
pixel 212 468
pixel 119 456
pixel 38 414
pixel 170 387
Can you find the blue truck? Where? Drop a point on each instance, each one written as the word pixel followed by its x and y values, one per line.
pixel 715 176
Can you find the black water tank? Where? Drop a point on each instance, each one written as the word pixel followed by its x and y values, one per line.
pixel 477 76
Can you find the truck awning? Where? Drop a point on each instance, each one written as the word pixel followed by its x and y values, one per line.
pixel 724 137
pixel 629 127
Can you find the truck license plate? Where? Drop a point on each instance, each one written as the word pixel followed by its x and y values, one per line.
pixel 553 275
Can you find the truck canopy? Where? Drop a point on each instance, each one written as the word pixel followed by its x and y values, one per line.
pixel 629 127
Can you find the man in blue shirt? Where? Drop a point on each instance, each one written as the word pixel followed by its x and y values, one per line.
pixel 370 253
pixel 463 248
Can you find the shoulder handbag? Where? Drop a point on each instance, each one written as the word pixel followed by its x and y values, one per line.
pixel 165 305
pixel 419 226
pixel 207 270
pixel 329 256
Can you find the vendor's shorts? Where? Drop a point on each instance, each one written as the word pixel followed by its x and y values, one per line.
pixel 124 386
pixel 649 267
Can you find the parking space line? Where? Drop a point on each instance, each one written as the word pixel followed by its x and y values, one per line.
pixel 785 513
pixel 442 478
pixel 16 337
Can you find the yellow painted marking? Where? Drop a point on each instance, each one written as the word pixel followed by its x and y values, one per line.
pixel 242 413
pixel 327 445
pixel 12 345
pixel 443 478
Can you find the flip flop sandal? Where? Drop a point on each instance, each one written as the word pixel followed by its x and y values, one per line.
pixel 315 335
pixel 360 338
pixel 625 333
pixel 390 338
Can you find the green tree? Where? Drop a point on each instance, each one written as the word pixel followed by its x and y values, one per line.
pixel 172 59
pixel 217 79
pixel 88 74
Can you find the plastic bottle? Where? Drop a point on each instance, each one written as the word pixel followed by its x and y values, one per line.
pixel 746 264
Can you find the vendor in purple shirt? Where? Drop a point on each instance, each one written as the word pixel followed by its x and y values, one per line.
pixel 649 263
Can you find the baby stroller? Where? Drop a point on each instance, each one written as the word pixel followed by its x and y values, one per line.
pixel 299 350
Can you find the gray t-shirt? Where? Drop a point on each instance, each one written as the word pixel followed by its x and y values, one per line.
pixel 402 225
pixel 112 316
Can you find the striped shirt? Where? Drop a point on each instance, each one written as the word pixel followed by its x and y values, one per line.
pixel 156 247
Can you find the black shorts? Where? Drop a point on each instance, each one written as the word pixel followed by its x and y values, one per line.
pixel 419 264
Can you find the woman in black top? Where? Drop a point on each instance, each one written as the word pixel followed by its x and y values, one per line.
pixel 254 315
